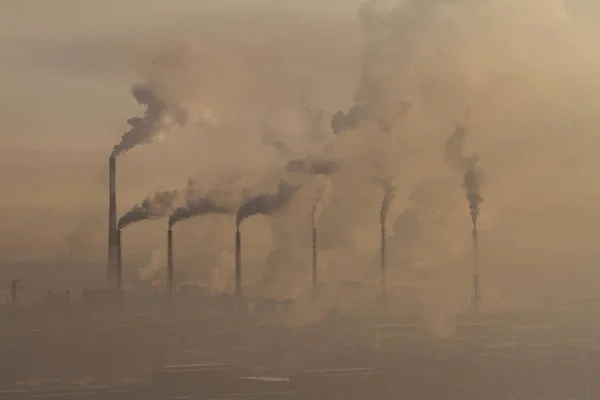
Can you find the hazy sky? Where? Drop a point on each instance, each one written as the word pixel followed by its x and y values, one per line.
pixel 527 69
pixel 64 72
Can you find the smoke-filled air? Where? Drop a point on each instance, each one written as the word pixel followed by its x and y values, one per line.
pixel 287 112
pixel 157 205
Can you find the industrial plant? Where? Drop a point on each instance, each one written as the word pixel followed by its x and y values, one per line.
pixel 373 209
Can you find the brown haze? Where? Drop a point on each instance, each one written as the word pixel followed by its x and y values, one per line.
pixel 526 69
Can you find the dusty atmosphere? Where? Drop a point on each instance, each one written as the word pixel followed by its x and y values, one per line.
pixel 428 161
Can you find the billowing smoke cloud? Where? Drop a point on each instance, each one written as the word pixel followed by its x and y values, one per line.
pixel 313 166
pixel 324 191
pixel 158 119
pixel 200 206
pixel 389 192
pixel 468 165
pixel 157 205
pixel 266 203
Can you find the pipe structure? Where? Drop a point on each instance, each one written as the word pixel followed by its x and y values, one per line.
pixel 476 299
pixel 238 264
pixel 315 278
pixel 383 261
pixel 170 269
pixel 119 262
pixel 111 267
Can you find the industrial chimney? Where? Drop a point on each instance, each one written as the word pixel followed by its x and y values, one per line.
pixel 170 270
pixel 238 264
pixel 476 299
pixel 111 268
pixel 315 281
pixel 119 261
pixel 383 260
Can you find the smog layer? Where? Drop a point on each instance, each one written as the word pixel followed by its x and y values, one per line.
pixel 288 113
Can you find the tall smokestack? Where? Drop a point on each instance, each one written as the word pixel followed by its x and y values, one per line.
pixel 119 262
pixel 238 263
pixel 476 300
pixel 315 278
pixel 112 223
pixel 170 270
pixel 383 260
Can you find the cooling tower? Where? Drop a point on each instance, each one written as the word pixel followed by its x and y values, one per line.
pixel 119 261
pixel 170 270
pixel 383 260
pixel 111 267
pixel 238 264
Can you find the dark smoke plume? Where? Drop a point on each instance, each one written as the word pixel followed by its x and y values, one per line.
pixel 468 165
pixel 389 192
pixel 313 167
pixel 158 119
pixel 157 205
pixel 199 206
pixel 266 203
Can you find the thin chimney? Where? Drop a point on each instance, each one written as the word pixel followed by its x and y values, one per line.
pixel 119 262
pixel 238 264
pixel 383 260
pixel 315 278
pixel 170 269
pixel 111 268
pixel 476 300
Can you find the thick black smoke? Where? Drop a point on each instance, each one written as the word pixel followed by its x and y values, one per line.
pixel 158 119
pixel 266 203
pixel 468 165
pixel 157 205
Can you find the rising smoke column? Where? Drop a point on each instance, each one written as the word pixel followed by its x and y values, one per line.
pixel 468 166
pixel 375 98
pixel 158 119
pixel 157 205
pixel 389 192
